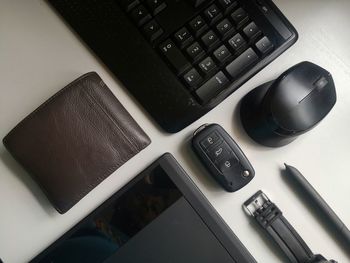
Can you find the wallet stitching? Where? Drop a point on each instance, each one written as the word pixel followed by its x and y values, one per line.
pixel 68 204
pixel 133 139
pixel 91 186
pixel 95 102
pixel 35 112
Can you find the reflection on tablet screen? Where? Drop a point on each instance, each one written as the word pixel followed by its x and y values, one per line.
pixel 100 237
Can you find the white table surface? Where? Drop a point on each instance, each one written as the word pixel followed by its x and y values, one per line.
pixel 39 55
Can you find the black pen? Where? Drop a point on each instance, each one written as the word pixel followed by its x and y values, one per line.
pixel 319 202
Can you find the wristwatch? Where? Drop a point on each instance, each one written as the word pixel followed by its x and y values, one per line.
pixel 270 218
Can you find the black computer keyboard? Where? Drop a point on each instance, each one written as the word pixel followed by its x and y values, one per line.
pixel 208 52
pixel 180 58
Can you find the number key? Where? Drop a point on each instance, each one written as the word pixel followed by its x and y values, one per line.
pixel 195 51
pixel 212 14
pixel 192 78
pixel 210 39
pixel 225 28
pixel 183 37
pixel 212 87
pixel 207 65
pixel 198 25
pixel 237 41
pixel 174 56
pixel 222 54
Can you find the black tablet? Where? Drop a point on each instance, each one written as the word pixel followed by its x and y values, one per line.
pixel 158 217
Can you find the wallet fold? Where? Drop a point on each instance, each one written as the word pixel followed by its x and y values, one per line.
pixel 75 140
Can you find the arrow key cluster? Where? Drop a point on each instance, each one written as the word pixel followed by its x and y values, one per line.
pixel 143 13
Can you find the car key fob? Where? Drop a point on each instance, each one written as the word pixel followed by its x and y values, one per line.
pixel 222 157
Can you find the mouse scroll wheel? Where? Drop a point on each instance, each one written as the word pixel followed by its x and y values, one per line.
pixel 320 83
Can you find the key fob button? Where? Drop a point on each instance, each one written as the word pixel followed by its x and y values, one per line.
pixel 210 140
pixel 229 164
pixel 222 157
pixel 219 152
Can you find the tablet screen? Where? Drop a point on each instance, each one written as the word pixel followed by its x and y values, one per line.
pixel 101 236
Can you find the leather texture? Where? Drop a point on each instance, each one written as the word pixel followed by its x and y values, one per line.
pixel 75 140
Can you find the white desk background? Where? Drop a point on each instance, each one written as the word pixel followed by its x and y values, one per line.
pixel 39 55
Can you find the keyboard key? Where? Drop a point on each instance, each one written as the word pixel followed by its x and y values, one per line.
pixel 129 4
pixel 192 78
pixel 207 65
pixel 241 63
pixel 237 42
pixel 222 54
pixel 264 45
pixel 140 15
pixel 198 25
pixel 152 30
pixel 225 28
pixel 252 31
pixel 174 56
pixel 183 37
pixel 195 51
pixel 228 5
pixel 212 87
pixel 210 39
pixel 240 17
pixel 156 6
pixel 212 14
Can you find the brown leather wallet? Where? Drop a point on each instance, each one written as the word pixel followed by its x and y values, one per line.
pixel 75 140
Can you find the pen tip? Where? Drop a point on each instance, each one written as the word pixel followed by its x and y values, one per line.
pixel 288 167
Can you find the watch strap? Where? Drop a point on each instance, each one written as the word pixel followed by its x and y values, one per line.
pixel 270 218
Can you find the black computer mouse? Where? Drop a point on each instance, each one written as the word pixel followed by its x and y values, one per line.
pixel 276 113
